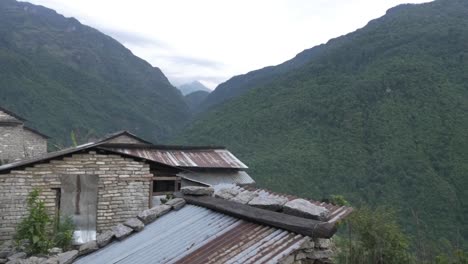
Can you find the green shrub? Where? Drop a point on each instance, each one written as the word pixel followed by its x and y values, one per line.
pixel 63 234
pixel 34 228
pixel 373 236
pixel 36 231
pixel 460 257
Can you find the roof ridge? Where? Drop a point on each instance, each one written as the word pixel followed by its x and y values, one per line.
pixel 13 114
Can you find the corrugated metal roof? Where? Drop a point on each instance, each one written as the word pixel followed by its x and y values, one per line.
pixel 216 178
pixel 196 158
pixel 199 235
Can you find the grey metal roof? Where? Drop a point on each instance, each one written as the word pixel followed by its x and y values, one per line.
pixel 199 235
pixel 189 158
pixel 217 178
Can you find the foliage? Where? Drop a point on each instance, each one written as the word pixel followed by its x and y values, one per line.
pixel 37 228
pixel 167 198
pixel 378 115
pixel 34 228
pixel 63 234
pixel 73 139
pixel 338 200
pixel 194 99
pixel 374 236
pixel 459 257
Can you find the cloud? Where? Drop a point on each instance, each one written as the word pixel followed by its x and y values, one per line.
pixel 208 80
pixel 192 61
pixel 211 40
pixel 132 38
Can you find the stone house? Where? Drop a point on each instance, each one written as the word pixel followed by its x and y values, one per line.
pixel 18 141
pixel 108 188
pixel 103 183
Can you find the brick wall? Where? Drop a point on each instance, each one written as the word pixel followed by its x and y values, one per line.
pixel 123 188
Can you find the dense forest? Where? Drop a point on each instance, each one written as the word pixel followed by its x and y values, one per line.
pixel 379 116
pixel 64 76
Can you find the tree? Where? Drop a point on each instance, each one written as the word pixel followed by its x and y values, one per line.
pixel 374 237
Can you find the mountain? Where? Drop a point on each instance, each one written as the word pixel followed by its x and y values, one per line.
pixel 64 76
pixel 194 99
pixel 193 87
pixel 241 84
pixel 379 115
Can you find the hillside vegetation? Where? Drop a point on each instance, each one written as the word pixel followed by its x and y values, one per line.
pixel 194 99
pixel 64 76
pixel 379 115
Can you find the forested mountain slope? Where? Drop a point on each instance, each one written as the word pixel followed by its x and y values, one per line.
pixel 241 84
pixel 379 115
pixel 63 76
pixel 194 99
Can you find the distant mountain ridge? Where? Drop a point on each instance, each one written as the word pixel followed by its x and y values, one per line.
pixel 195 99
pixel 240 84
pixel 378 115
pixel 193 87
pixel 63 76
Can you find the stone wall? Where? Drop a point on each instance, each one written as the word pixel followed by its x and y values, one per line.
pixel 6 117
pixel 123 188
pixel 313 251
pixel 34 144
pixel 11 143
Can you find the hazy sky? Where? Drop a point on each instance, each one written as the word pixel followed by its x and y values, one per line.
pixel 213 40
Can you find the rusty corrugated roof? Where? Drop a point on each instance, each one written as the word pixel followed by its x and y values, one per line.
pixel 198 235
pixel 189 158
pixel 246 243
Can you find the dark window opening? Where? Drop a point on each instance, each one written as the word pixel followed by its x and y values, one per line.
pixel 168 185
pixel 58 196
pixel 163 186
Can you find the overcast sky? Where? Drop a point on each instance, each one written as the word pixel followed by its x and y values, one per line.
pixel 213 40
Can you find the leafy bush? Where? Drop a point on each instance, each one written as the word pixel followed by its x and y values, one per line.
pixel 459 257
pixel 34 228
pixel 374 237
pixel 63 234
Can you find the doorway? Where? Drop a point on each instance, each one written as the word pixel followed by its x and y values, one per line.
pixel 78 200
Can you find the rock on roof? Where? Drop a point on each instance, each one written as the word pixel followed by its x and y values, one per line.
pixel 212 232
